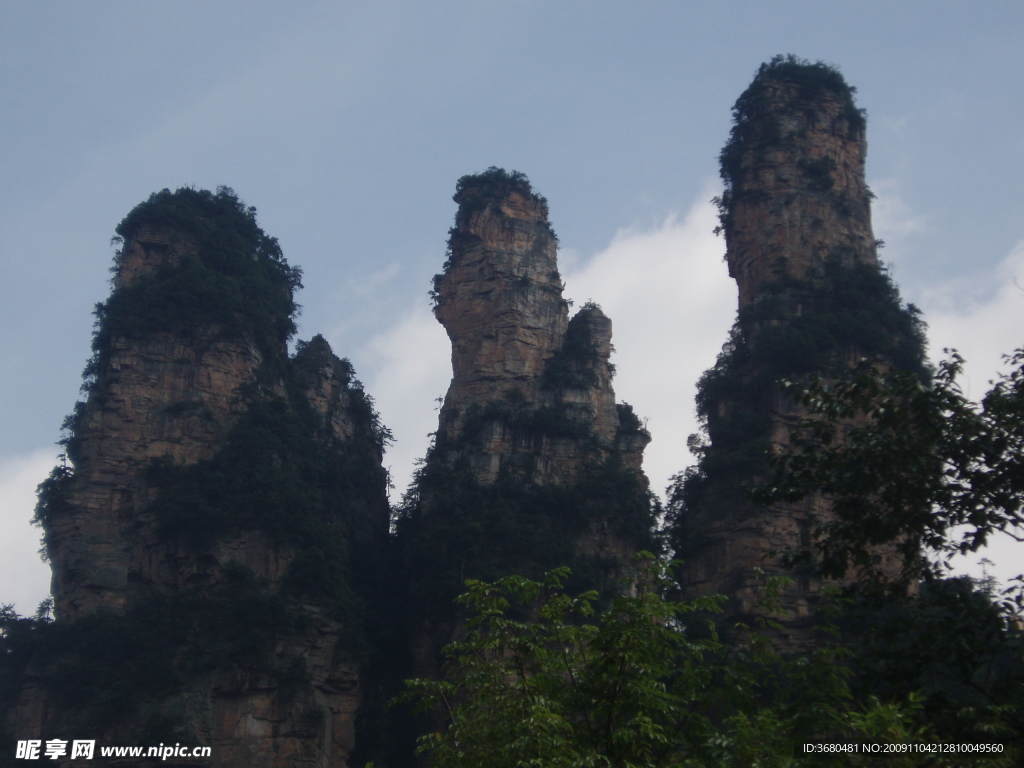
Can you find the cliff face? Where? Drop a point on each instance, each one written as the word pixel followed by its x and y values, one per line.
pixel 207 523
pixel 812 300
pixel 157 396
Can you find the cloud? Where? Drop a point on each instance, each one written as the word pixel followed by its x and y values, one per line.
pixel 409 366
pixel 672 302
pixel 982 317
pixel 890 214
pixel 24 578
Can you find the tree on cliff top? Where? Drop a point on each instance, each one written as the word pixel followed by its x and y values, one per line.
pixel 229 274
pixel 475 191
pixel 754 121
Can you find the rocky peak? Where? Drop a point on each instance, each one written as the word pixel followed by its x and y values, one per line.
pixel 795 194
pixel 221 501
pixel 500 296
pixel 517 360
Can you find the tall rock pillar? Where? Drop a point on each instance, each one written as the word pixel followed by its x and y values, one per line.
pixel 812 300
pixel 223 506
pixel 534 465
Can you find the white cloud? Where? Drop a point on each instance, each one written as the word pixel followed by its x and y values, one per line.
pixel 982 317
pixel 409 366
pixel 893 220
pixel 24 578
pixel 671 302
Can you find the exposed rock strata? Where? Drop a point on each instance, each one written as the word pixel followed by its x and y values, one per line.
pixel 797 197
pixel 534 465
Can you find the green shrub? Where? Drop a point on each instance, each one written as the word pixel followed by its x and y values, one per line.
pixel 572 366
pixel 475 192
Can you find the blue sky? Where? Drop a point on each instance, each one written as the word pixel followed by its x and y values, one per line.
pixel 347 124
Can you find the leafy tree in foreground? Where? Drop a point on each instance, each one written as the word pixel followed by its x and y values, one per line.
pixel 542 680
pixel 920 467
pixel 906 462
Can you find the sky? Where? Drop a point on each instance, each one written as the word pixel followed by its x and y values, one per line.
pixel 347 125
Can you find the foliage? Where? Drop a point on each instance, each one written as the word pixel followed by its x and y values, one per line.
pixel 572 366
pixel 541 680
pixel 757 128
pixel 629 422
pixel 475 192
pixel 512 525
pixel 954 643
pixel 524 422
pixel 754 127
pixel 907 462
pixel 915 467
pixel 52 494
pixel 279 471
pixel 231 276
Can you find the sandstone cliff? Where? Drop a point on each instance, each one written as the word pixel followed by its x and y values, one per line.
pixel 812 300
pixel 201 538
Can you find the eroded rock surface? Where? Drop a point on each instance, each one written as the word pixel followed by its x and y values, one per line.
pixel 517 359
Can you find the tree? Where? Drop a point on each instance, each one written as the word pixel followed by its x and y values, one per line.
pixel 906 462
pixel 541 679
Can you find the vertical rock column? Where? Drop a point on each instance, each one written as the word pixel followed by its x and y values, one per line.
pixel 160 395
pixel 224 510
pixel 812 300
pixel 519 364
pixel 796 196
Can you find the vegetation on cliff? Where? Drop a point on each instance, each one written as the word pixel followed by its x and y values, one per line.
pixel 755 115
pixel 573 365
pixel 758 127
pixel 513 525
pixel 840 310
pixel 106 666
pixel 476 193
pixel 229 276
pixel 543 677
